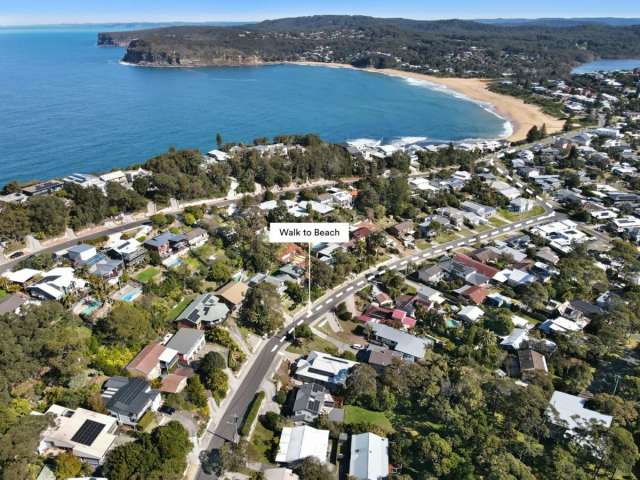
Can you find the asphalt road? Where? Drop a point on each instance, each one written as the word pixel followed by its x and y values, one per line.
pixel 225 430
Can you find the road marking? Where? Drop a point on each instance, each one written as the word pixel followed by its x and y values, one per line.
pixel 519 184
pixel 393 267
pixel 309 314
pixel 437 251
pixel 484 236
pixel 448 247
pixel 361 282
pixel 529 191
pixel 282 340
pixel 425 254
pixel 290 331
pixel 370 277
pixel 517 225
pixel 505 229
pixel 548 204
pixel 350 288
pixel 403 263
pixel 539 197
pixel 500 171
pixel 328 301
pixel 529 222
pixel 275 347
pixel 299 323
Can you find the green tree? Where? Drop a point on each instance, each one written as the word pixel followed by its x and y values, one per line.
pixel 311 469
pixel 261 309
pixel 127 324
pixel 196 392
pixel 67 465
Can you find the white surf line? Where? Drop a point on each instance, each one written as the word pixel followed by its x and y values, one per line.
pixel 275 347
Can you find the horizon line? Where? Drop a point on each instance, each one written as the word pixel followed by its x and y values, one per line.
pixel 246 21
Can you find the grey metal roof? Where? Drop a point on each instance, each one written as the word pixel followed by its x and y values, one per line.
pixel 185 340
pixel 132 395
pixel 206 308
pixel 403 342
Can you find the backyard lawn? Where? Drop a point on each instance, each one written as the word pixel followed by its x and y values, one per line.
pixel 147 275
pixel 354 415
pixel 179 308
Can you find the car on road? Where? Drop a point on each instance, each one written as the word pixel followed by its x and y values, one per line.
pixel 358 346
pixel 15 255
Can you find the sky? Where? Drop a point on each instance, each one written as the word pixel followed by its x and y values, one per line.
pixel 26 12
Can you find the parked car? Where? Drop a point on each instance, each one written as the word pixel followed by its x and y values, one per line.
pixel 167 410
pixel 358 346
pixel 15 255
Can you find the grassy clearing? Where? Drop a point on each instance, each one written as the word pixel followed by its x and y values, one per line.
pixel 514 217
pixel 354 415
pixel 496 222
pixel 314 344
pixel 179 308
pixel 3 293
pixel 260 445
pixel 445 237
pixel 147 275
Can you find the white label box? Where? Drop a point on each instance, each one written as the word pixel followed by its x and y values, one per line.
pixel 309 232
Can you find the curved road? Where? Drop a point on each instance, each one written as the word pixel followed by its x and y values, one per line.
pixel 225 430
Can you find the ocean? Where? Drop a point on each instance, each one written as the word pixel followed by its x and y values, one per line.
pixel 606 65
pixel 68 106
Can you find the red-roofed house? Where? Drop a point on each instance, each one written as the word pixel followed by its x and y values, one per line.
pixel 479 267
pixel 474 294
pixel 388 316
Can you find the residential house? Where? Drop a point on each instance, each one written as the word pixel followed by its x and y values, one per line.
pixel 312 399
pixel 432 274
pixel 128 399
pixel 521 205
pixel 187 342
pixel 483 211
pixel 294 272
pixel 167 243
pixel 472 294
pixel 516 339
pixel 204 311
pixel 56 284
pixel 379 357
pixel 196 237
pixel 411 347
pixel 86 434
pixel 42 188
pixel 561 325
pixel 369 458
pixel 470 314
pixel 298 443
pixel 233 294
pixel 153 361
pixel 129 251
pixel 402 230
pixel 569 413
pixel 531 361
pixel 325 369
pixel 379 314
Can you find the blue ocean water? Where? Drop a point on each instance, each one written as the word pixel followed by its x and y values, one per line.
pixel 68 106
pixel 605 65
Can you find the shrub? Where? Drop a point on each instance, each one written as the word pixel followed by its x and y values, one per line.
pixel 252 413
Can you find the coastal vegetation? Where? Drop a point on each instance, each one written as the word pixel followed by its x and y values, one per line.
pixel 449 47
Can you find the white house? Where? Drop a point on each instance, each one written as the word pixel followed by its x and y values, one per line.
pixel 56 284
pixel 369 458
pixel 568 412
pixel 298 443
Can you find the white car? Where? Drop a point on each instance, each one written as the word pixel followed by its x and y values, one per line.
pixel 358 346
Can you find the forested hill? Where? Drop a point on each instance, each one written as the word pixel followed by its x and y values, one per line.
pixel 451 47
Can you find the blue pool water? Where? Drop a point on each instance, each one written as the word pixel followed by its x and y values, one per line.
pixel 68 106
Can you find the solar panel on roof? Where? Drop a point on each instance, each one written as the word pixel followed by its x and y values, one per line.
pixel 88 432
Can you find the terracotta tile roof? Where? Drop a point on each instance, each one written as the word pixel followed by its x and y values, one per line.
pixel 480 267
pixel 476 294
pixel 148 358
pixel 173 383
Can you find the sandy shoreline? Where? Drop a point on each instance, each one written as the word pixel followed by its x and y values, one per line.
pixel 521 115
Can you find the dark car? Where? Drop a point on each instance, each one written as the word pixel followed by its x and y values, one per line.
pixel 167 410
pixel 15 255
